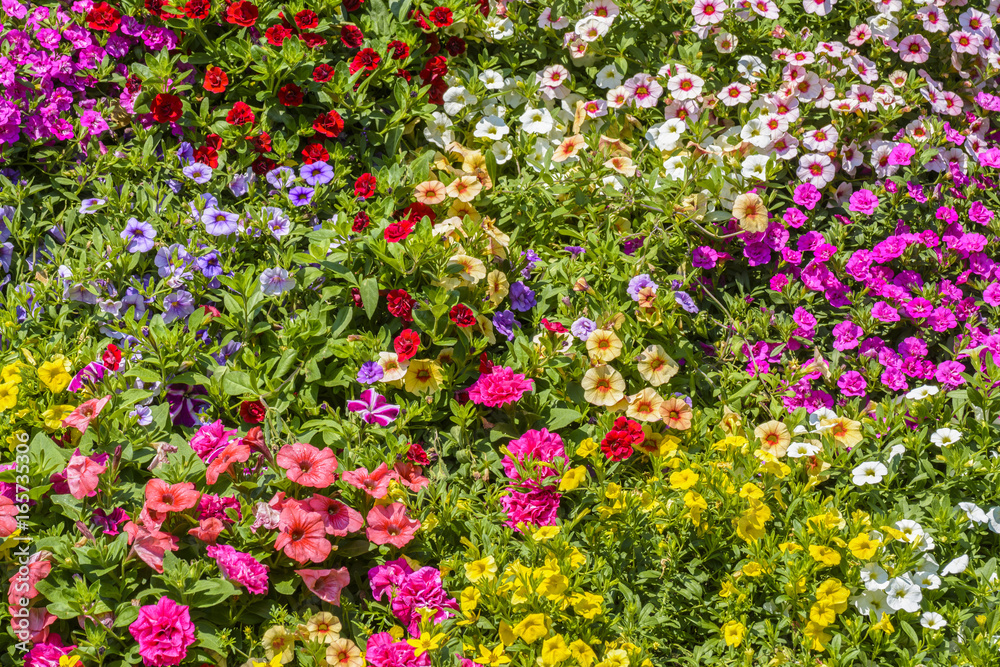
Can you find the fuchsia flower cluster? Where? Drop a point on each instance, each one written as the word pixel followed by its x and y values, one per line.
pixel 410 591
pixel 532 498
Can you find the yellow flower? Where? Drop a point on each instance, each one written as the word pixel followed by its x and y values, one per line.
pixel 603 345
pixel 728 588
pixel 553 586
pixel 582 653
pixel 54 374
pixel 484 568
pixel 586 448
pixel 53 416
pixel 8 396
pixel 506 632
pixel 824 555
pixel 422 376
pixel 696 504
pixel 616 657
pixel 734 632
pixel 426 642
pixel 822 613
pixel 277 641
pixel 751 213
pixel 835 593
pixel 576 558
pixel 554 651
pixel 469 599
pixel 573 477
pixel 69 661
pixel 789 547
pixel 492 657
pixel 884 625
pixel 587 605
pixel 323 627
pixel 774 437
pixel 656 366
pixel 612 491
pixel 603 386
pixel 497 286
pixel 532 628
pixel 750 525
pixel 846 432
pixel 863 547
pixel 342 653
pixel 750 490
pixel 753 569
pixel 683 479
pixel 11 373
pixel 816 635
pixel 275 661
pixel 546 533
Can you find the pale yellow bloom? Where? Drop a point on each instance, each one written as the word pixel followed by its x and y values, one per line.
pixel 645 406
pixel 603 346
pixel 603 385
pixel 422 376
pixel 656 366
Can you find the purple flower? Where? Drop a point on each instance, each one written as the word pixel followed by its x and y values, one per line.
pixel 374 408
pixel 241 183
pixel 91 205
pixel 274 282
pixel 139 236
pixel 370 372
pixel 198 172
pixel 633 244
pixel 504 323
pixel 109 522
pixel 219 223
pixel 143 415
pixel 852 383
pixel 209 264
pixel 639 283
pixel 522 298
pixel 92 373
pixel 177 306
pixel 583 327
pixel 704 257
pixel 574 250
pixel 950 373
pixel 685 301
pixel 301 195
pixel 317 173
pixel 276 220
pixel 280 177
pixel 183 403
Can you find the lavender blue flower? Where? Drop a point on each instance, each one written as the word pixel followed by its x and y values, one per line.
pixel 138 235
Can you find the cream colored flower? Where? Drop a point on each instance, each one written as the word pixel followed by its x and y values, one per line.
pixel 276 641
pixel 473 269
pixel 603 345
pixel 750 212
pixel 392 368
pixel 774 437
pixel 497 286
pixel 645 406
pixel 429 192
pixel 344 653
pixel 656 366
pixel 323 627
pixel 464 188
pixel 603 385
pixel 622 164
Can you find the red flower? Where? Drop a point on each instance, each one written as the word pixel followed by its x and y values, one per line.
pixel 435 68
pixel 338 518
pixel 207 156
pixel 364 187
pixel 315 153
pixel 306 19
pixel 366 59
pixel 240 114
pixel 484 7
pixel 163 497
pixel 436 94
pixel 290 95
pixel 313 40
pixel 399 49
pixel 440 16
pixel 351 36
pixel 262 165
pixel 252 412
pixel 416 454
pixel 485 365
pixel 103 16
pixel 242 13
pixel 414 213
pixel 418 17
pixel 554 327
pixel 329 123
pixel 111 357
pixel 455 46
pixel 398 231
pixel 323 73
pixel 433 44
pixel 155 7
pixel 303 535
pixel 400 304
pixel 361 222
pixel 215 80
pixel 462 315
pixel 356 298
pixel 352 5
pixel 211 312
pixel 213 141
pixel 261 143
pixel 404 74
pixel 196 9
pixel 617 444
pixel 406 344
pixel 166 108
pixel 277 34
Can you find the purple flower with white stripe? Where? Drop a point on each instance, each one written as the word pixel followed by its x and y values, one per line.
pixel 374 408
pixel 139 236
pixel 220 223
pixel 91 374
pixel 317 173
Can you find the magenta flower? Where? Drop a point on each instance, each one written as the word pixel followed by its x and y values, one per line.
pixel 863 201
pixel 374 408
pixel 499 387
pixel 164 632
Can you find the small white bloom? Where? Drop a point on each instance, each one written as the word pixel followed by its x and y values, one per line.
pixel 799 449
pixel 499 28
pixel 492 79
pixel 491 127
pixel 502 151
pixel 922 392
pixel 896 451
pixel 456 99
pixel 912 531
pixel 755 167
pixel 536 121
pixel 869 472
pixel 973 512
pixel 874 577
pixel 673 168
pixel 903 595
pixel 870 601
pixel 933 620
pixel 944 437
pixel 956 566
pixel 608 77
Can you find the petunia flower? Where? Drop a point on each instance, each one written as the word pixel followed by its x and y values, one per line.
pixel 374 408
pixel 308 465
pixel 86 412
pixel 303 535
pixel 375 484
pixel 389 524
pixel 326 584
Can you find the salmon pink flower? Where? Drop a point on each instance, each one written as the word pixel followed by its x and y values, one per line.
pixel 375 484
pixel 235 452
pixel 163 497
pixel 308 465
pixel 150 546
pixel 409 476
pixel 38 566
pixel 338 518
pixel 84 414
pixel 389 524
pixel 499 387
pixel 208 530
pixel 326 584
pixel 303 535
pixel 82 476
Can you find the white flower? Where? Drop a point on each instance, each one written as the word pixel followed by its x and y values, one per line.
pixel 613 181
pixel 911 530
pixel 492 79
pixel 903 595
pixel 499 28
pixel 608 77
pixel 491 127
pixel 874 577
pixel 539 150
pixel 896 451
pixel 956 565
pixel 592 28
pixel 275 281
pixel 685 86
pixel 456 99
pixel 870 472
pixel 502 151
pixel 673 168
pixel 943 437
pixel 751 67
pixel 871 601
pixel 993 518
pixel 756 133
pixel 973 512
pixel 755 167
pixel 922 392
pixel 536 121
pixel 932 620
pixel 927 580
pixel 799 449
pixel 669 134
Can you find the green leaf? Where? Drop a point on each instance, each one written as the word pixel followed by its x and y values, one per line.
pixel 237 382
pixel 560 417
pixel 369 295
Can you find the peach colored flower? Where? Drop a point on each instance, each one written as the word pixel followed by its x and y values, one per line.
pixel 85 413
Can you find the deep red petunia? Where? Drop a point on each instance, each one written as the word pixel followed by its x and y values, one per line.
pixel 216 79
pixel 323 73
pixel 240 114
pixel 315 153
pixel 399 49
pixel 252 412
pixel 329 123
pixel 361 222
pixel 306 19
pixel 166 108
pixel 290 95
pixel 406 344
pixel 367 59
pixel 352 37
pixel 400 304
pixel 277 34
pixel 242 13
pixel 103 16
pixel 441 17
pixel 364 186
pixel 313 40
pixel 462 315
pixel 196 9
pixel 207 156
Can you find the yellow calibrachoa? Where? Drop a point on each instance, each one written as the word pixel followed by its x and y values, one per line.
pixel 53 416
pixel 573 477
pixel 275 661
pixel 824 555
pixel 532 628
pixel 753 569
pixel 554 651
pixel 484 568
pixel 422 376
pixel 11 373
pixel 586 448
pixel 469 599
pixel 750 525
pixel 426 642
pixel 683 479
pixel 603 346
pixel 581 652
pixel 54 374
pixel 8 395
pixel 734 632
pixel 587 605
pixel 863 547
pixel 492 657
pixel 545 533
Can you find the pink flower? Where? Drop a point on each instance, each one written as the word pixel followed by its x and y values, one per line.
pixel 806 194
pixel 375 484
pixel 389 524
pixel 308 465
pixel 863 201
pixel 326 584
pixel 303 535
pixel 82 475
pixel 234 452
pixel 410 476
pixel 382 650
pixel 421 590
pixel 499 387
pixel 150 546
pixel 8 516
pixel 385 579
pixel 990 158
pixel 39 567
pixel 535 508
pixel 85 413
pixel 530 450
pixel 210 440
pixel 164 632
pixel 338 518
pixel 852 383
pixel 163 497
pixel 240 567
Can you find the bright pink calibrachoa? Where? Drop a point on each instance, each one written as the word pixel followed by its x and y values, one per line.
pixel 164 632
pixel 538 447
pixel 499 387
